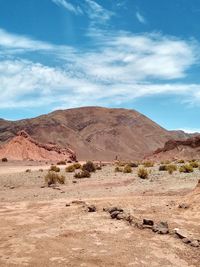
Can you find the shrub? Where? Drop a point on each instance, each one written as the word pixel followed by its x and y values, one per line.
pixel 4 160
pixel 62 162
pixel 82 174
pixel 163 168
pixel 89 166
pixel 118 169
pixel 70 168
pixel 127 169
pixel 121 163
pixel 171 168
pixel 148 164
pixel 181 161
pixel 194 164
pixel 186 168
pixel 54 168
pixel 53 178
pixel 142 173
pixel 77 165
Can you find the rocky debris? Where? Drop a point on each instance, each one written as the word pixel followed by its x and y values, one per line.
pixel 23 147
pixel 187 238
pixel 78 202
pixel 161 228
pixel 147 223
pixel 183 206
pixel 67 205
pixel 91 208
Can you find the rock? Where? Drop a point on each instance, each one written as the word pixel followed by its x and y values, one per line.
pixel 56 188
pixel 186 240
pixel 110 210
pixel 79 202
pixel 67 205
pixel 12 187
pixel 195 243
pixel 114 214
pixel 183 206
pixel 121 216
pixel 147 222
pixel 74 182
pixel 161 228
pixel 181 233
pixel 91 208
pixel 62 192
pixel 43 186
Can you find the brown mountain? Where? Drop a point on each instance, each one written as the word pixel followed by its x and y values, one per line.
pixel 23 147
pixel 95 132
pixel 178 149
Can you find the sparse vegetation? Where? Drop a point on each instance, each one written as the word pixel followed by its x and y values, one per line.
pixel 89 166
pixel 54 168
pixel 127 169
pixel 77 165
pixel 148 164
pixel 171 168
pixel 181 161
pixel 53 178
pixel 70 168
pixel 142 173
pixel 4 160
pixel 163 167
pixel 62 162
pixel 194 164
pixel 187 168
pixel 82 174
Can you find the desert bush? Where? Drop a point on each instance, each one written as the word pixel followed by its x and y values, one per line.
pixel 82 174
pixel 121 163
pixel 194 164
pixel 171 168
pixel 186 168
pixel 62 162
pixel 148 164
pixel 70 168
pixel 181 161
pixel 89 166
pixel 118 169
pixel 77 165
pixel 142 173
pixel 163 167
pixel 54 168
pixel 127 169
pixel 4 160
pixel 53 178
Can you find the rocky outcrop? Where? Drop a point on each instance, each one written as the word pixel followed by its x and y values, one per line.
pixel 23 147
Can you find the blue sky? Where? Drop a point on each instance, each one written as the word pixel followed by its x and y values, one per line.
pixel 139 54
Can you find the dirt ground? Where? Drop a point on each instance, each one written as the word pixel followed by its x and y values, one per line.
pixel 38 229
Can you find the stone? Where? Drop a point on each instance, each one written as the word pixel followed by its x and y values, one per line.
pixel 183 206
pixel 195 243
pixel 161 228
pixel 110 210
pixel 148 222
pixel 114 214
pixel 181 233
pixel 186 240
pixel 91 208
pixel 67 205
pixel 121 216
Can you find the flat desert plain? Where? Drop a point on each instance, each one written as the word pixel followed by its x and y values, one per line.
pixel 51 226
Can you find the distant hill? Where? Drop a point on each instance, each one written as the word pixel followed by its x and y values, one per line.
pixel 95 132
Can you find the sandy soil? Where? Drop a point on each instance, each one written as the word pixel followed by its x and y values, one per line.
pixel 38 229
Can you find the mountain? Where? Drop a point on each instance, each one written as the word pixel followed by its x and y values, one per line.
pixel 95 133
pixel 178 149
pixel 23 147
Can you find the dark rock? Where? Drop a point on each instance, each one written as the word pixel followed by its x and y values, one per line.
pixel 67 205
pixel 148 222
pixel 91 208
pixel 114 214
pixel 121 216
pixel 195 243
pixel 183 206
pixel 186 240
pixel 110 210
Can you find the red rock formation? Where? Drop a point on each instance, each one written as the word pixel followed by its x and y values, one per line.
pixel 23 147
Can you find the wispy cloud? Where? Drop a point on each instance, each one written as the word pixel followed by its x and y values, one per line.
pixel 67 5
pixel 120 67
pixel 140 18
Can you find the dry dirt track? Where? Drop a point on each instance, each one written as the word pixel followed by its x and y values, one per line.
pixel 37 229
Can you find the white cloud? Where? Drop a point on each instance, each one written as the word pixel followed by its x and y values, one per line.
pixel 187 130
pixel 67 5
pixel 140 18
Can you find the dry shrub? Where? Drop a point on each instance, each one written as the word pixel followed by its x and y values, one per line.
pixel 181 161
pixel 148 164
pixel 70 168
pixel 53 178
pixel 77 165
pixel 54 168
pixel 118 169
pixel 127 169
pixel 62 162
pixel 142 173
pixel 186 168
pixel 89 166
pixel 194 164
pixel 82 174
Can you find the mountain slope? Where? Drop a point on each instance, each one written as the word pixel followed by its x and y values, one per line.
pixel 95 132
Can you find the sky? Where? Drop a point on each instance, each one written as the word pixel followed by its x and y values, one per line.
pixel 136 54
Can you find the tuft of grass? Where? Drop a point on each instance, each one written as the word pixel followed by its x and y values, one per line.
pixel 82 174
pixel 62 162
pixel 4 160
pixel 163 167
pixel 142 173
pixel 54 168
pixel 89 166
pixel 127 169
pixel 77 165
pixel 70 168
pixel 187 168
pixel 194 164
pixel 53 178
pixel 181 161
pixel 148 164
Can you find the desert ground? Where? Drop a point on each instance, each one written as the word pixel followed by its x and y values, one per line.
pixel 51 226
